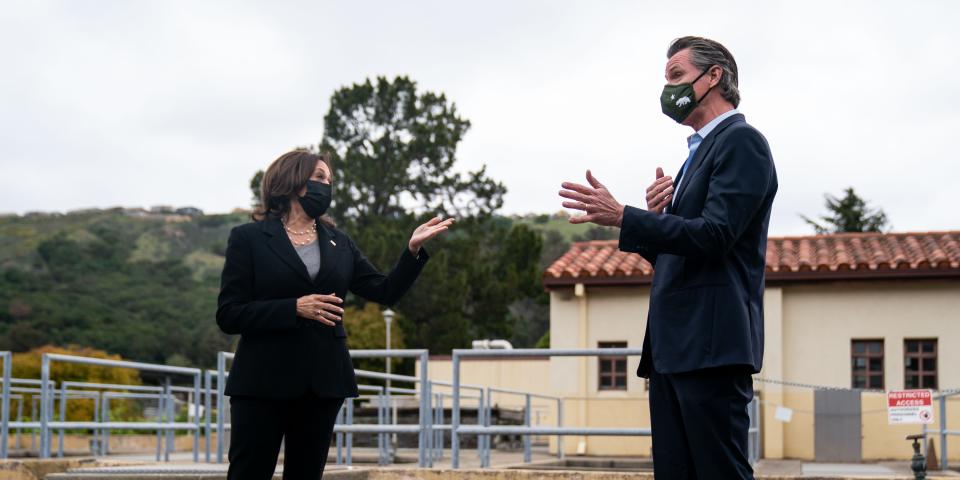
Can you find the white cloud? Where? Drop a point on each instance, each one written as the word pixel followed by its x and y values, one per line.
pixel 136 103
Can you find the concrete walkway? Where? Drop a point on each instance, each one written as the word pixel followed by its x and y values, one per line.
pixel 504 465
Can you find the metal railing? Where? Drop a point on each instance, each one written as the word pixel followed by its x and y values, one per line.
pixel 423 429
pixel 46 402
pixel 165 401
pixel 103 434
pixel 527 421
pixel 754 443
pixel 10 386
pixel 458 429
pixel 430 427
pixel 7 359
pixel 383 456
pixel 33 392
pixel 439 427
pixel 346 425
pixel 943 432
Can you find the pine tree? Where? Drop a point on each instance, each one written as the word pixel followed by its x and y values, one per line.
pixel 849 214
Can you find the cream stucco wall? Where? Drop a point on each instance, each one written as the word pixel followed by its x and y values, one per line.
pixel 525 374
pixel 583 318
pixel 821 319
pixel 808 331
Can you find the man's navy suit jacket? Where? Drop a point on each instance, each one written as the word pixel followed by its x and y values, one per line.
pixel 708 250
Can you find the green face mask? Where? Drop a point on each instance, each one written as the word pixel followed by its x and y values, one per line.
pixel 678 101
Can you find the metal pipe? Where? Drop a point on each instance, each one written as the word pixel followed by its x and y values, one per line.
pixel 380 353
pixel 63 418
pixel 539 352
pixel 133 396
pixel 381 437
pixel 196 418
pixel 482 421
pixel 488 418
pixel 171 401
pixel 7 358
pixel 221 370
pixel 560 453
pixel 35 419
pixel 943 433
pixel 526 438
pixel 44 407
pixel 206 413
pixel 102 362
pixel 455 416
pixel 161 407
pixel 424 412
pixel 105 432
pixel 349 434
pixel 339 436
pixel 19 416
pixel 519 430
pixel 521 392
pixel 95 438
pixel 365 428
pixel 124 425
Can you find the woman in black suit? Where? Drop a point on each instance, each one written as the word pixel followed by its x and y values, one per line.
pixel 283 284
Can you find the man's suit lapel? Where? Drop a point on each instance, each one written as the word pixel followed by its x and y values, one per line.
pixel 698 157
pixel 278 242
pixel 673 201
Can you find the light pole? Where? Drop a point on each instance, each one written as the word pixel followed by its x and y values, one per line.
pixel 388 320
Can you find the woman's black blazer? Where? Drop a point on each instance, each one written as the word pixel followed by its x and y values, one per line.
pixel 281 354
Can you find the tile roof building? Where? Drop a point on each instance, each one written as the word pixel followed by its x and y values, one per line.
pixel 823 257
pixel 852 311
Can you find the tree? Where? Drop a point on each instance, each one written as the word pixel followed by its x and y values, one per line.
pixel 848 214
pixel 28 364
pixel 597 232
pixel 394 166
pixel 554 246
pixel 142 288
pixel 255 188
pixel 392 144
pixel 367 331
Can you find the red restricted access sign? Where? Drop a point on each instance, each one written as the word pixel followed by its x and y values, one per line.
pixel 910 406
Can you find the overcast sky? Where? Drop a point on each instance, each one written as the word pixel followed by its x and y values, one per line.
pixel 134 103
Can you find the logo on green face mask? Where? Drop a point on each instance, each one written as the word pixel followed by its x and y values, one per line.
pixel 679 101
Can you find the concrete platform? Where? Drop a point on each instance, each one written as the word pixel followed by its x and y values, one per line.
pixel 505 465
pixel 445 474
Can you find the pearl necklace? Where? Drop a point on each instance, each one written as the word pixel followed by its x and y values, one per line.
pixel 310 232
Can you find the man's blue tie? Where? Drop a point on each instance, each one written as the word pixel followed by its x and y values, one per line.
pixel 693 143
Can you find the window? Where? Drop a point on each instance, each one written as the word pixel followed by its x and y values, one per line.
pixel 867 359
pixel 613 370
pixel 920 363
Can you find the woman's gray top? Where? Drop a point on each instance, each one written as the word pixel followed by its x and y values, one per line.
pixel 310 254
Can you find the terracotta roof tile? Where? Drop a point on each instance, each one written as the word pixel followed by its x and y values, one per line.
pixel 821 257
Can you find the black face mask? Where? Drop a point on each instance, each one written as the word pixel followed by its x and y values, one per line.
pixel 317 199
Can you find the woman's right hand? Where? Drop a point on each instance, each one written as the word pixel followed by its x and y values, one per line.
pixel 322 308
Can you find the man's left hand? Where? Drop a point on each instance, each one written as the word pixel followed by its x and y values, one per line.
pixel 600 206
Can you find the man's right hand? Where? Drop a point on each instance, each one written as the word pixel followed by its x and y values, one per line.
pixel 660 193
pixel 322 308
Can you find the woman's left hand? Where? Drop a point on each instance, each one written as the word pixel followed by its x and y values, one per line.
pixel 426 232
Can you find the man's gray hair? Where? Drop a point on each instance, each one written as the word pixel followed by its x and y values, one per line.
pixel 705 53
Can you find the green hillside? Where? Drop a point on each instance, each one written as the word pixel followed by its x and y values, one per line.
pixel 143 284
pixel 130 282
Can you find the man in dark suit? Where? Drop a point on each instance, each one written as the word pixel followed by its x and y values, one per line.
pixel 706 235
